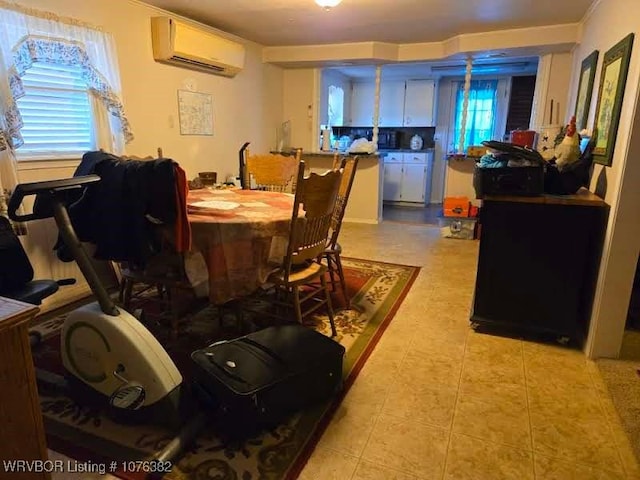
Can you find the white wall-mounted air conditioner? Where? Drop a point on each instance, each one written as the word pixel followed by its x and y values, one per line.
pixel 184 45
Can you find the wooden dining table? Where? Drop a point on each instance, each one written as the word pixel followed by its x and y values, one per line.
pixel 242 235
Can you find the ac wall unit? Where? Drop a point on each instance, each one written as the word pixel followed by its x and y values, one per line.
pixel 184 45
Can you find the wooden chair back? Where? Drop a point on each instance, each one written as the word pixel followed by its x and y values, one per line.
pixel 349 166
pixel 272 172
pixel 316 197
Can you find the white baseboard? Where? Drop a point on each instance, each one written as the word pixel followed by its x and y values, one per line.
pixel 368 221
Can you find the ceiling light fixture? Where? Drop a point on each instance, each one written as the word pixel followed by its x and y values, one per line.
pixel 327 4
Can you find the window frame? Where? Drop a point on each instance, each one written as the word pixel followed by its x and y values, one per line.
pixel 53 155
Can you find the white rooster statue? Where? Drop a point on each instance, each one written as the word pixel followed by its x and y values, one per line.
pixel 568 150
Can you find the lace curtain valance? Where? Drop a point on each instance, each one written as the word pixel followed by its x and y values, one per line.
pixel 63 52
pixel 28 36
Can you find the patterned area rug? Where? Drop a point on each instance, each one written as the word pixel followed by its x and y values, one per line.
pixel 376 290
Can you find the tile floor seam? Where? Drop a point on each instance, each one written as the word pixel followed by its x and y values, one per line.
pixel 455 407
pixel 386 394
pixel 610 427
pixel 408 472
pixel 379 413
pixel 570 461
pixel 338 452
pixel 526 394
pixel 491 442
pixel 386 467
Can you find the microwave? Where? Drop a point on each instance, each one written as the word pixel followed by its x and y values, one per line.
pixel 387 140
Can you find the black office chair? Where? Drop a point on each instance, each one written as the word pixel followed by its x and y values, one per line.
pixel 16 272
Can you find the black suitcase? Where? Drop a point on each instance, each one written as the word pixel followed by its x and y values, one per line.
pixel 258 380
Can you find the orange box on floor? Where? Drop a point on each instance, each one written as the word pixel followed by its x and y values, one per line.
pixel 456 207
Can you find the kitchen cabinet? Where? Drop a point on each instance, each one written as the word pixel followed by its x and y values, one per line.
pixel 419 103
pixel 363 99
pixel 402 103
pixel 413 183
pixel 391 103
pixel 407 177
pixel 392 177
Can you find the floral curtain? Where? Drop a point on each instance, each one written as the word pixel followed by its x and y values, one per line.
pixel 28 36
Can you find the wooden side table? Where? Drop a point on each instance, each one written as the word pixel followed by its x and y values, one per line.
pixel 22 435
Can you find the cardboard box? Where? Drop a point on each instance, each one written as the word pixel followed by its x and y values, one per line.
pixel 456 207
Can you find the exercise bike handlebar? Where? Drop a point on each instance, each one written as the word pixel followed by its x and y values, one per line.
pixel 50 187
pixel 54 190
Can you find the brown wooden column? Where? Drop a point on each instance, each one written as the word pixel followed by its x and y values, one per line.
pixel 22 434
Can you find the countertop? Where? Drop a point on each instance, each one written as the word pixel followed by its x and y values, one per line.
pixel 407 150
pixel 332 153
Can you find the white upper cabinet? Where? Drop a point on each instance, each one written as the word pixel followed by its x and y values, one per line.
pixel 391 103
pixel 363 99
pixel 419 103
pixel 403 103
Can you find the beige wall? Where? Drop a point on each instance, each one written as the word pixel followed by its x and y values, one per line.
pixel 558 88
pixel 622 179
pixel 300 106
pixel 246 108
pixel 365 204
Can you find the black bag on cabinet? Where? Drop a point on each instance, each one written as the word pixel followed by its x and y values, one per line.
pixel 515 180
pixel 258 380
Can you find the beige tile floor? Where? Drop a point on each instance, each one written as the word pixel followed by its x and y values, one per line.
pixel 439 401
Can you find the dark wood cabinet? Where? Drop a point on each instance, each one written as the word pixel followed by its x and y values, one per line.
pixel 22 435
pixel 538 263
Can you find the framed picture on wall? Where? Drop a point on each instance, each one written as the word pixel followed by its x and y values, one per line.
pixel 613 79
pixel 585 89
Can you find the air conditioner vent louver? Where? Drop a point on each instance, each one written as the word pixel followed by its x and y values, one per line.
pixel 197 63
pixel 178 43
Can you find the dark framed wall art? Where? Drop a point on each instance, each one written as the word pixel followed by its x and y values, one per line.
pixel 613 79
pixel 585 89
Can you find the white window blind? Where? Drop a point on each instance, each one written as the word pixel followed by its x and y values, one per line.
pixel 56 113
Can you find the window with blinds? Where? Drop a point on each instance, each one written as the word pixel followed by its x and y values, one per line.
pixel 56 113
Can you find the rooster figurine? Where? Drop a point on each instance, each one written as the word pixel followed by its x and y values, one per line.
pixel 568 150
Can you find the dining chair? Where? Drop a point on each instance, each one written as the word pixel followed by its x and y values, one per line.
pixel 333 249
pixel 271 171
pixel 311 218
pixel 164 270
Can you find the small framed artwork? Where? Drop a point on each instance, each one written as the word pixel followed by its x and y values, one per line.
pixel 195 111
pixel 613 80
pixel 585 89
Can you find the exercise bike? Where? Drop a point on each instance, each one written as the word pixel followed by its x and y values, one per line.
pixel 107 353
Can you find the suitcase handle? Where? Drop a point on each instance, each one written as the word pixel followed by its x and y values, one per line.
pixel 263 349
pixel 226 370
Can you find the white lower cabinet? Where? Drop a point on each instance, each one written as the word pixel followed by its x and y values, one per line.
pixel 413 182
pixel 392 182
pixel 407 177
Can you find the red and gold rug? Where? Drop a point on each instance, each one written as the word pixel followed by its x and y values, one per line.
pixel 377 290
